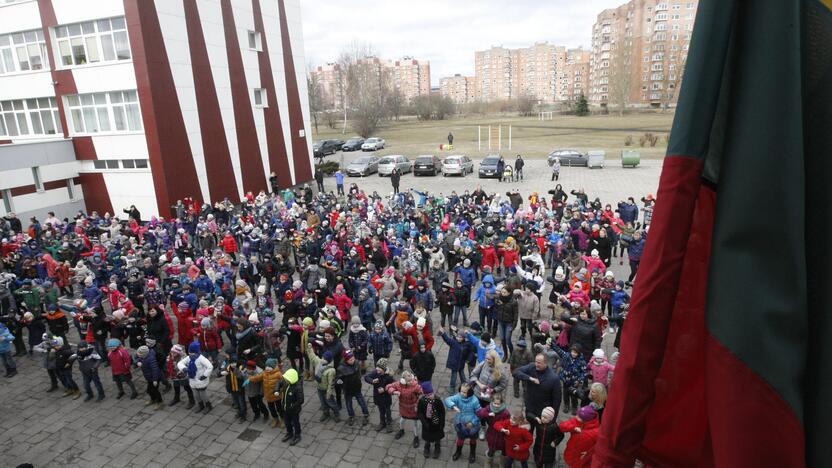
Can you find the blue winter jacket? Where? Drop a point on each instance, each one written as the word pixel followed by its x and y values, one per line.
pixel 456 349
pixel 150 367
pixel 636 250
pixel 468 275
pixel 425 298
pixel 481 351
pixel 367 311
pixel 6 344
pixel 480 293
pixel 380 344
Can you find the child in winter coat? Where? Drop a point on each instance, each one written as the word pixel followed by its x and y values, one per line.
pixel 233 373
pixel 254 390
pixel 88 362
pixel 446 299
pixel 178 378
pixel 408 391
pixel 358 340
pixel 6 339
pixel 269 380
pixel 462 300
pixel 152 374
pixel 324 373
pixel 519 358
pixel 120 364
pixel 348 377
pixel 466 422
pixel 457 356
pixel 584 429
pixel 492 414
pixel 199 369
pixel 600 368
pixel 547 437
pixel 380 379
pixel 64 358
pixel 423 364
pixel 431 413
pixel 379 342
pixel 518 439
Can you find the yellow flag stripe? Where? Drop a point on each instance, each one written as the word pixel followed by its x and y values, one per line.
pixel 828 3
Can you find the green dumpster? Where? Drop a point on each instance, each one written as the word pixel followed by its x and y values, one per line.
pixel 630 158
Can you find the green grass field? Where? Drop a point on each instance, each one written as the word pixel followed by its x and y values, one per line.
pixel 530 137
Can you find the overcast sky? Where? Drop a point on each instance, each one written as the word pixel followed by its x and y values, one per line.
pixel 446 32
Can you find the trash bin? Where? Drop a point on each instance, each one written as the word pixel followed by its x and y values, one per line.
pixel 595 158
pixel 630 158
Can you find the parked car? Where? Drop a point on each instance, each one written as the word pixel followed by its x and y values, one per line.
pixel 595 158
pixel 365 165
pixel 457 164
pixel 353 144
pixel 568 157
pixel 372 144
pixel 322 148
pixel 427 164
pixel 488 167
pixel 387 163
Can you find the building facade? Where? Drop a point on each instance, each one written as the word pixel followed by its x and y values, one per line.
pixel 460 89
pixel 409 75
pixel 145 102
pixel 572 79
pixel 639 51
pixel 502 74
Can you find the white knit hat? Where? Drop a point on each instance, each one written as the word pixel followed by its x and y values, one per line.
pixel 548 412
pixel 598 354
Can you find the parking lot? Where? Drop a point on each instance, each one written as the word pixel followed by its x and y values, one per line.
pixel 610 184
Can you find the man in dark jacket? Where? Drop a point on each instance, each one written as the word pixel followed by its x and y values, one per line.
pixel 395 178
pixel 542 387
pixel 518 168
pixel 319 178
pixel 506 308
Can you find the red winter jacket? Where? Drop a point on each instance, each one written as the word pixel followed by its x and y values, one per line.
pixel 413 333
pixel 489 256
pixel 343 303
pixel 120 361
pixel 209 339
pixel 408 397
pixel 183 325
pixel 229 244
pixel 517 435
pixel 580 443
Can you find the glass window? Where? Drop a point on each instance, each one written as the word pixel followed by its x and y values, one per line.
pixel 99 164
pixel 128 163
pixel 141 164
pixel 105 112
pixel 93 41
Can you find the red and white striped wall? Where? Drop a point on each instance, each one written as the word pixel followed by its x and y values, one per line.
pixel 195 75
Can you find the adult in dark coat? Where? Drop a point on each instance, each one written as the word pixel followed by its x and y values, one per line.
pixel 431 413
pixel 585 333
pixel 319 178
pixel 248 343
pixel 542 386
pixel 395 178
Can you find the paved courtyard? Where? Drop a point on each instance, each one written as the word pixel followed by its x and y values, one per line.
pixel 49 431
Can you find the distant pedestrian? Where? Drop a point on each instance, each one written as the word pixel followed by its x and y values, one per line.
pixel 518 168
pixel 450 138
pixel 339 181
pixel 501 166
pixel 319 178
pixel 395 178
pixel 273 182
pixel 556 169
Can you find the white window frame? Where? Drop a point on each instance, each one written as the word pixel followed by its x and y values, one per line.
pixel 255 41
pixel 114 108
pixel 101 36
pixel 17 46
pixel 31 114
pixel 37 179
pixel 261 94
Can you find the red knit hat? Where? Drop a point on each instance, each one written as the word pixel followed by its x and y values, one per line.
pixel 251 364
pixel 330 301
pixel 288 296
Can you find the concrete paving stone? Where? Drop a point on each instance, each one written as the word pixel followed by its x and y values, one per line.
pixel 307 461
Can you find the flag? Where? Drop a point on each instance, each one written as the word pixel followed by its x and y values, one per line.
pixel 726 359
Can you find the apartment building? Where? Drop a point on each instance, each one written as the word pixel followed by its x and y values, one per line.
pixel 638 52
pixel 330 78
pixel 461 89
pixel 110 103
pixel 502 73
pixel 409 75
pixel 572 76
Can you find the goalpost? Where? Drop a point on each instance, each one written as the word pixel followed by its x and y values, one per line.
pixel 545 115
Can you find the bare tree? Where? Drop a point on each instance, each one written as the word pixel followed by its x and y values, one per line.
pixel 366 87
pixel 315 93
pixel 621 74
pixel 395 103
pixel 525 105
pixel 674 68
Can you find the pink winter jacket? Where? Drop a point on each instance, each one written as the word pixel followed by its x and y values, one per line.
pixel 602 371
pixel 408 397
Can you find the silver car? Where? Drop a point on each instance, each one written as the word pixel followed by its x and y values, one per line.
pixel 387 163
pixel 457 164
pixel 365 165
pixel 372 144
